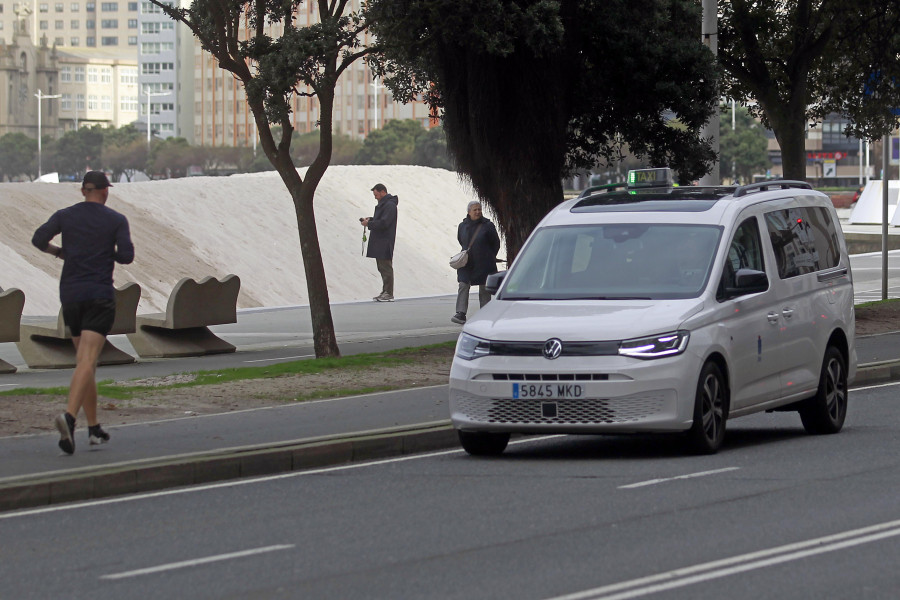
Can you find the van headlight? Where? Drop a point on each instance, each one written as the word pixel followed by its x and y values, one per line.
pixel 469 347
pixel 656 346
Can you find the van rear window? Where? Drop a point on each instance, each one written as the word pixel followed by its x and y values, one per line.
pixel 804 239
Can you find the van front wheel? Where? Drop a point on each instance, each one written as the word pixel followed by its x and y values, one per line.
pixel 482 443
pixel 708 430
pixel 825 412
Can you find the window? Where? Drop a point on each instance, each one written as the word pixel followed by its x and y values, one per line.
pixel 90 6
pixel 132 23
pixel 66 102
pixel 106 74
pixel 745 252
pixel 74 24
pixel 93 74
pixel 65 74
pixel 804 240
pixel 59 24
pixel 74 41
pixel 79 74
pixel 156 68
pixel 160 86
pixel 58 7
pixel 128 76
pixel 106 103
pixel 109 24
pixel 157 47
pixel 132 40
pixel 79 102
pixel 43 8
pixel 133 6
pixel 129 103
pixel 90 41
pixel 90 24
pixel 109 6
pixel 59 41
pixel 74 7
pixel 93 103
pixel 45 25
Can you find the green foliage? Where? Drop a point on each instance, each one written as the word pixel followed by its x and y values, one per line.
pixel 18 155
pixel 75 152
pixel 800 61
pixel 172 157
pixel 124 151
pixel 393 144
pixel 745 147
pixel 431 150
pixel 533 89
pixel 343 152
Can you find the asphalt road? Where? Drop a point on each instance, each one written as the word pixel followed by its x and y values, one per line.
pixel 776 514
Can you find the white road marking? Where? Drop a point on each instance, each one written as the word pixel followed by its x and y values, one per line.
pixel 282 358
pixel 874 387
pixel 197 561
pixel 702 572
pixel 689 476
pixel 9 384
pixel 235 483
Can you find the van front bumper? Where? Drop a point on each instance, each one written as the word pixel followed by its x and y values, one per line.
pixel 606 394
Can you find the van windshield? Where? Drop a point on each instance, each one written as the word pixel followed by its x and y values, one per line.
pixel 614 261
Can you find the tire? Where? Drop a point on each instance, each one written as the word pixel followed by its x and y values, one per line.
pixel 710 411
pixel 481 443
pixel 825 412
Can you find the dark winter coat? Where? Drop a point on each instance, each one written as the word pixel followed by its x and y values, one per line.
pixel 482 254
pixel 383 227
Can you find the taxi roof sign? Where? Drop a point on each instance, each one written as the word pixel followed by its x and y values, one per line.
pixel 647 178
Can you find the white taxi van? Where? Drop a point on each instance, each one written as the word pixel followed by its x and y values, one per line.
pixel 660 308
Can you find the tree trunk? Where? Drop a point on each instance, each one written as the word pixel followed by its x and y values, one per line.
pixel 790 131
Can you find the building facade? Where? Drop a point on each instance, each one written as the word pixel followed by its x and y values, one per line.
pixel 74 23
pixel 27 71
pixel 98 87
pixel 221 116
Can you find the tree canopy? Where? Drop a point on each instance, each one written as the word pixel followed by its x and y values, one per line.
pixel 793 63
pixel 743 147
pixel 530 89
pixel 274 58
pixel 18 156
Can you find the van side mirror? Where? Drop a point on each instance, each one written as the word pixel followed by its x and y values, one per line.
pixel 749 281
pixel 492 284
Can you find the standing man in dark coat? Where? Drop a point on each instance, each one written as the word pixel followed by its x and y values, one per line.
pixel 94 238
pixel 478 231
pixel 383 225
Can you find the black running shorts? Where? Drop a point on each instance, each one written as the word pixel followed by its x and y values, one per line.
pixel 91 315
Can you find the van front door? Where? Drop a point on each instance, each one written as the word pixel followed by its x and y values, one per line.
pixel 754 334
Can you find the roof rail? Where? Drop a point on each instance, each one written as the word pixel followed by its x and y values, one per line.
pixel 609 187
pixel 763 186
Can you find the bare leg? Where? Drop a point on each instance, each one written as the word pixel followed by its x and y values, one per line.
pixel 83 389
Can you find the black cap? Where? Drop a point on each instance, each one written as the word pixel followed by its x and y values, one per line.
pixel 97 179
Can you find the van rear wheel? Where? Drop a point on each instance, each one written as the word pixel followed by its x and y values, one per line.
pixel 483 443
pixel 708 430
pixel 825 412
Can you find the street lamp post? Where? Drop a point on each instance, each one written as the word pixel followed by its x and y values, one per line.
pixel 40 96
pixel 150 95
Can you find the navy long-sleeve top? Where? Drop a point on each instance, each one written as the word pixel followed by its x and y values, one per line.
pixel 94 238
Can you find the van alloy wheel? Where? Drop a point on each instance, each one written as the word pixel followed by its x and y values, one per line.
pixel 825 412
pixel 708 430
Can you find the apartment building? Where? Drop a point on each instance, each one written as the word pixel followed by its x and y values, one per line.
pixel 74 23
pixel 221 116
pixel 97 87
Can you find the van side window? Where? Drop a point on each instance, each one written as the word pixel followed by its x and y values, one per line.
pixel 804 240
pixel 744 252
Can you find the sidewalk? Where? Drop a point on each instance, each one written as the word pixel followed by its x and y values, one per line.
pixel 195 450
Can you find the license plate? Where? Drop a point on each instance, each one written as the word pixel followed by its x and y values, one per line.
pixel 525 391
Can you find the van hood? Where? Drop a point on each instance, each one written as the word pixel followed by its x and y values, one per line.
pixel 579 320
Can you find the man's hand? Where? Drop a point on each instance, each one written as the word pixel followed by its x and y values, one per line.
pixel 364 221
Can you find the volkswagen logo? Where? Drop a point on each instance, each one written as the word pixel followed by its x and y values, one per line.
pixel 552 348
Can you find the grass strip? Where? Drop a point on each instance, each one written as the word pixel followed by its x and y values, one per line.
pixel 109 389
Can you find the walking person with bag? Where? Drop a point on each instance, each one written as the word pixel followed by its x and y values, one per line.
pixel 478 236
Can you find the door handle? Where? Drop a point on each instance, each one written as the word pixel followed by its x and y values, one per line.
pixel 787 312
pixel 773 318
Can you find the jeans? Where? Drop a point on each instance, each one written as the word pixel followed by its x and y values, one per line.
pixel 386 268
pixel 462 298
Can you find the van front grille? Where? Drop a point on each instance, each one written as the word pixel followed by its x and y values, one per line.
pixel 632 409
